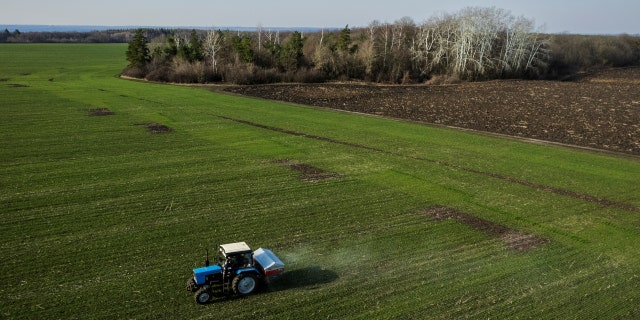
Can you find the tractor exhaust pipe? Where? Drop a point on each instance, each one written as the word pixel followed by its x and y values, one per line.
pixel 206 262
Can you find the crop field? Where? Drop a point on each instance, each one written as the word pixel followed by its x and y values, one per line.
pixel 601 110
pixel 111 190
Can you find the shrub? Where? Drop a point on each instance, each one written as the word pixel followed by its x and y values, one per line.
pixel 183 71
pixel 134 72
pixel 247 74
pixel 310 76
pixel 574 53
pixel 161 74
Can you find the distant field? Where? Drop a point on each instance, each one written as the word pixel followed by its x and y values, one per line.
pixel 111 190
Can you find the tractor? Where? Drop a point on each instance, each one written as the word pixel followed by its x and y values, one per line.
pixel 239 271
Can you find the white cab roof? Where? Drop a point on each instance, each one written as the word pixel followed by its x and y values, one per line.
pixel 235 247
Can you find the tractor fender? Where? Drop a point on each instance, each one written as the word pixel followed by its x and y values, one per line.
pixel 248 270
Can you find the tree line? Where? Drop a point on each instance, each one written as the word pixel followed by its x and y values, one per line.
pixel 106 36
pixel 475 43
pixel 472 44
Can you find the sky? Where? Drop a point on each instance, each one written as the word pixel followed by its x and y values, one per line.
pixel 552 16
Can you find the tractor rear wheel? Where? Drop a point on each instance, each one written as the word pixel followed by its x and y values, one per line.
pixel 245 284
pixel 202 296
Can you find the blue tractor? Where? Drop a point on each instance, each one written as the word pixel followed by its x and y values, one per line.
pixel 239 271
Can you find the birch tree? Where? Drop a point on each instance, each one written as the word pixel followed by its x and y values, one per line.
pixel 385 38
pixel 212 45
pixel 428 47
pixel 259 31
pixel 322 55
pixel 368 51
pixel 479 43
pixel 523 49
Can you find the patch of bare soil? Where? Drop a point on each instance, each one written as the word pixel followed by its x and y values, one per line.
pixel 100 112
pixel 600 111
pixel 17 85
pixel 514 239
pixel 308 173
pixel 155 128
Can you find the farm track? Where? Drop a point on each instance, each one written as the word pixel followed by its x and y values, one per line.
pixel 601 111
pixel 558 191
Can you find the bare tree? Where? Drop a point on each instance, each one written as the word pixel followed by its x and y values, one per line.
pixel 259 31
pixel 523 49
pixel 322 56
pixel 368 51
pixel 478 43
pixel 539 53
pixel 385 32
pixel 212 45
pixel 423 48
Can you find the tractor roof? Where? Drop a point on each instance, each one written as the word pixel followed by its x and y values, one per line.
pixel 238 247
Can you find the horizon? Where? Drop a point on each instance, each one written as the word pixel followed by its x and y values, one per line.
pixel 27 28
pixel 550 16
pixel 88 28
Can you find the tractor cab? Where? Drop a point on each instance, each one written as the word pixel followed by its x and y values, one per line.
pixel 239 271
pixel 236 255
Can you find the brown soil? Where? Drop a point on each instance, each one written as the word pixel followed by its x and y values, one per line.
pixel 155 128
pixel 514 239
pixel 599 111
pixel 100 112
pixel 308 173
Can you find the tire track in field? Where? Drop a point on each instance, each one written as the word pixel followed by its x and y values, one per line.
pixel 558 191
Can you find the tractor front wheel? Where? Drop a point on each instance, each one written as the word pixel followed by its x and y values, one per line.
pixel 245 284
pixel 191 285
pixel 203 295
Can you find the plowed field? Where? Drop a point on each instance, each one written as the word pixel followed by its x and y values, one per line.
pixel 600 111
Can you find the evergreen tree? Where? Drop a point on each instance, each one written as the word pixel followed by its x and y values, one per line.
pixel 171 50
pixel 269 56
pixel 5 35
pixel 243 47
pixel 291 55
pixel 196 48
pixel 344 41
pixel 138 50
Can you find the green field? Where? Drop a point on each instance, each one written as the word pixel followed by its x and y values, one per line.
pixel 102 219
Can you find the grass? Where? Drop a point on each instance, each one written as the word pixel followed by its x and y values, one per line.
pixel 102 219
